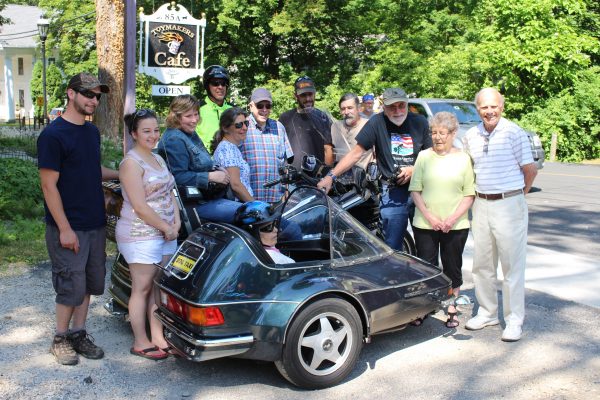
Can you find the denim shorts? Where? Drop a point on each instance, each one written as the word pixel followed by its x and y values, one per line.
pixel 76 275
pixel 147 251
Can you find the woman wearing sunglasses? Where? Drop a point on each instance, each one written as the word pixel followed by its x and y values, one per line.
pixel 147 230
pixel 233 127
pixel 189 161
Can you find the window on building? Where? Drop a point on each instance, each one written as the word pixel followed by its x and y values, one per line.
pixel 20 66
pixel 21 98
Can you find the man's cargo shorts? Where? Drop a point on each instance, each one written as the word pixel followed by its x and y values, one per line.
pixel 75 275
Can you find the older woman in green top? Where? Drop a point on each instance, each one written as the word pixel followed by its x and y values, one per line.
pixel 442 187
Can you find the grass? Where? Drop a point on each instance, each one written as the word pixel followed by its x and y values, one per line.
pixel 22 243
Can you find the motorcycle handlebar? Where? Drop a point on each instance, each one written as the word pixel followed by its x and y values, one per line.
pixel 272 183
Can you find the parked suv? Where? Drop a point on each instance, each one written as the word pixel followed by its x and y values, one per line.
pixel 467 116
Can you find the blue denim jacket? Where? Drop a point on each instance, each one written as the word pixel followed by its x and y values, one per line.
pixel 188 158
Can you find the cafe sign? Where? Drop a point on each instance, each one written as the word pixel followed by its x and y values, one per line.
pixel 171 40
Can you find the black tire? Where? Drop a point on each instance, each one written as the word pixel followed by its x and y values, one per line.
pixel 331 331
pixel 408 244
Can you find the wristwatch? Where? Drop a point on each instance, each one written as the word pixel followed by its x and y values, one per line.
pixel 332 175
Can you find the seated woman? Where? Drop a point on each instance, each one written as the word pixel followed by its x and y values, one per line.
pixel 189 161
pixel 233 127
pixel 260 219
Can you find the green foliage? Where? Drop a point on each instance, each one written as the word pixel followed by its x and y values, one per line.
pixel 573 116
pixel 22 241
pixel 20 193
pixel 111 152
pixel 55 87
pixel 534 51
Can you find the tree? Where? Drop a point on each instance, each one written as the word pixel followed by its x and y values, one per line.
pixel 55 88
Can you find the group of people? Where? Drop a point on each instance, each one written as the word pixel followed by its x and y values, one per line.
pixel 415 157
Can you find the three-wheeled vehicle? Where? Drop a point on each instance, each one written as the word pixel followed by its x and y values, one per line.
pixel 221 295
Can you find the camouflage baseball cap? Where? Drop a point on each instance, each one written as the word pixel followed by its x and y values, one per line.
pixel 87 81
pixel 304 85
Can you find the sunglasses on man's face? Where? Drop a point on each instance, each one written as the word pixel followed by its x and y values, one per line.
pixel 238 125
pixel 218 83
pixel 259 106
pixel 89 94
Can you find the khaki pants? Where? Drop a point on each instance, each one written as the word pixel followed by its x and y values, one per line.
pixel 500 233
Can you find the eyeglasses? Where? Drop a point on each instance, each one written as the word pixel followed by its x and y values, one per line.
pixel 269 228
pixel 486 142
pixel 268 106
pixel 217 83
pixel 89 94
pixel 238 125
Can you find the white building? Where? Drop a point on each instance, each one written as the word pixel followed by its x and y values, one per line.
pixel 18 54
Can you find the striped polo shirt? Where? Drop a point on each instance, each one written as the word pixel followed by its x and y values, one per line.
pixel 498 156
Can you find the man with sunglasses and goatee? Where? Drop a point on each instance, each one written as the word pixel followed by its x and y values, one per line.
pixel 216 83
pixel 71 175
pixel 504 172
pixel 266 147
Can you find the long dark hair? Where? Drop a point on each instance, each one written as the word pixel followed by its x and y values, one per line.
pixel 227 119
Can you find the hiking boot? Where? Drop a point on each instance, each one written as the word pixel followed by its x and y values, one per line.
pixel 63 350
pixel 83 343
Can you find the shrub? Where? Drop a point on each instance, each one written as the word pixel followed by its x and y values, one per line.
pixel 20 192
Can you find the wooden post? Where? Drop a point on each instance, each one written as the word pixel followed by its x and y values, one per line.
pixel 553 146
pixel 130 65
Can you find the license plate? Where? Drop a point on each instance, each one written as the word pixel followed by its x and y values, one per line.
pixel 183 263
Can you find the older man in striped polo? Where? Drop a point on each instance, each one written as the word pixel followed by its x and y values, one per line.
pixel 504 172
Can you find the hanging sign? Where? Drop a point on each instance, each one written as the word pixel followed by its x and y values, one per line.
pixel 171 40
pixel 169 90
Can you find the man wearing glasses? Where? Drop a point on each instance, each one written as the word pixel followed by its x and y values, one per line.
pixel 308 128
pixel 71 175
pixel 397 137
pixel 504 172
pixel 216 82
pixel 266 147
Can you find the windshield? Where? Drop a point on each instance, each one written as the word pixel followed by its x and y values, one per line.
pixel 308 212
pixel 466 113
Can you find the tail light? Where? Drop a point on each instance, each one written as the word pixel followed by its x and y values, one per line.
pixel 201 316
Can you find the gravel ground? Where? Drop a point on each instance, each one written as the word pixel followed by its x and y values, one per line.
pixel 558 358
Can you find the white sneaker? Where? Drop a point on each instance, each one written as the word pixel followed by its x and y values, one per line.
pixel 478 322
pixel 512 333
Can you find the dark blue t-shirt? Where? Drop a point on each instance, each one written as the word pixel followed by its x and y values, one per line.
pixel 74 152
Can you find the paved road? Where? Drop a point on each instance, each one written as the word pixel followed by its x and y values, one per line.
pixel 564 234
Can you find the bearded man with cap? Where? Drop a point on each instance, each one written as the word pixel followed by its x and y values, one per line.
pixel 71 175
pixel 308 128
pixel 266 147
pixel 397 136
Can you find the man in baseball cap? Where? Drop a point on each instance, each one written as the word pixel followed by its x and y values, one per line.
pixel 397 136
pixel 308 128
pixel 71 175
pixel 266 147
pixel 86 81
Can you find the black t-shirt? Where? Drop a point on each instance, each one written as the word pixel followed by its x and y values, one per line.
pixel 308 133
pixel 74 152
pixel 395 146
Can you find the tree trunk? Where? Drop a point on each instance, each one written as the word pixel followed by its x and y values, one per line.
pixel 110 44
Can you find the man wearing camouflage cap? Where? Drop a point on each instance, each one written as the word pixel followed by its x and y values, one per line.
pixel 70 175
pixel 397 136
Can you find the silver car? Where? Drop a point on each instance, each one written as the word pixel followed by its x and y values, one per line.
pixel 467 116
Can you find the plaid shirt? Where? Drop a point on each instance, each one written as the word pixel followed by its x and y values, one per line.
pixel 265 151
